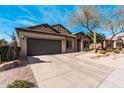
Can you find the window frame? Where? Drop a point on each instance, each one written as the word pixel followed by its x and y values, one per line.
pixel 68 44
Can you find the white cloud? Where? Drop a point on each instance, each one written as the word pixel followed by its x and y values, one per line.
pixel 29 15
pixel 52 14
pixel 25 22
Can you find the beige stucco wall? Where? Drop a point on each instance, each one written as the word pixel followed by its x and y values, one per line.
pixel 104 44
pixel 23 35
pixel 114 44
pixel 61 29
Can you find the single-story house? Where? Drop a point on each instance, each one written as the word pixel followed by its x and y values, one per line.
pixel 2 43
pixel 45 39
pixel 116 42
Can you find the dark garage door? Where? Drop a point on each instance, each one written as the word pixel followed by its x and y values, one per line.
pixel 43 46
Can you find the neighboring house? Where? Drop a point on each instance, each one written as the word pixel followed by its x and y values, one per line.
pixel 107 43
pixel 10 44
pixel 116 42
pixel 2 43
pixel 46 39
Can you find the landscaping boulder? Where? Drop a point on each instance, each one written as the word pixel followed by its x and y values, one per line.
pixel 10 65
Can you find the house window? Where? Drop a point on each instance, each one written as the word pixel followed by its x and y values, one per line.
pixel 86 44
pixel 68 44
pixel 118 44
pixel 122 45
pixel 110 44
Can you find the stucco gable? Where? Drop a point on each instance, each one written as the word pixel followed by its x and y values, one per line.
pixel 61 29
pixel 80 35
pixel 44 28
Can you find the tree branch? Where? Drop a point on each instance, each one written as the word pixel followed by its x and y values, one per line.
pixel 86 27
pixel 122 30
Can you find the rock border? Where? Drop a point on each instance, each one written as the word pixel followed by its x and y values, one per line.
pixel 10 65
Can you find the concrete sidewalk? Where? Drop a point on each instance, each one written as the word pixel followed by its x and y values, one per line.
pixel 116 78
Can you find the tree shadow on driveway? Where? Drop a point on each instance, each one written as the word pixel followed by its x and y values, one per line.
pixel 33 60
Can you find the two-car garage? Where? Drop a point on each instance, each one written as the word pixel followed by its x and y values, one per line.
pixel 43 46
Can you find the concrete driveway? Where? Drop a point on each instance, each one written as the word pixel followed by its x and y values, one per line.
pixel 67 71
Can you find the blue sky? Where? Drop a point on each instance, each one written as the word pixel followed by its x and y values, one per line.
pixel 23 16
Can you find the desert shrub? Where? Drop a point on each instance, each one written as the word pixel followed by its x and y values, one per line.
pixel 110 49
pixel 103 52
pixel 116 51
pixel 3 52
pixel 119 49
pixel 19 84
pixel 9 53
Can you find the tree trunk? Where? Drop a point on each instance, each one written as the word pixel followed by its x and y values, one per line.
pixel 102 44
pixel 94 41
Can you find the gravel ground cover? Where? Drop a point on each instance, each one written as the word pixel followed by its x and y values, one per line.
pixel 22 72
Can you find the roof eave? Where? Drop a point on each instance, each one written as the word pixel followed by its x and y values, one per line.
pixel 36 31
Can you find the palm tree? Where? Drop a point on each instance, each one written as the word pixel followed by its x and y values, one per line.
pixel 99 37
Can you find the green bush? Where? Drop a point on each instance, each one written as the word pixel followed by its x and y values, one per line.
pixel 109 49
pixel 3 52
pixel 9 53
pixel 19 84
pixel 103 52
pixel 116 51
pixel 119 49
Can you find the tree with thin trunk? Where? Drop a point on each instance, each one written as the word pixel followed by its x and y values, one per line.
pixel 87 17
pixel 114 22
pixel 12 50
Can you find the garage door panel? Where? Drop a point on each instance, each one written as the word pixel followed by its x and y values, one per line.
pixel 43 46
